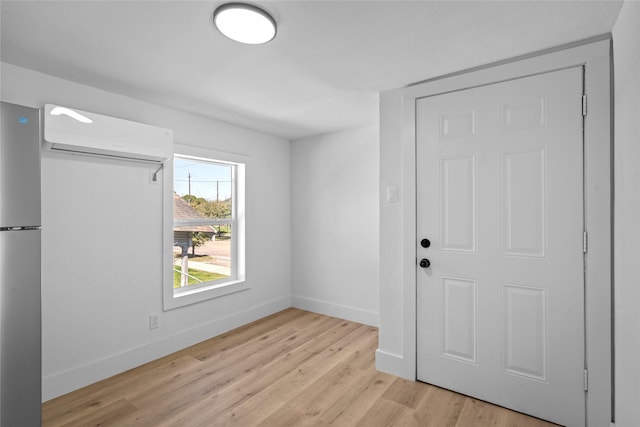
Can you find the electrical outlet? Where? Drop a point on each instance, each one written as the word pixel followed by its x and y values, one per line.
pixel 154 322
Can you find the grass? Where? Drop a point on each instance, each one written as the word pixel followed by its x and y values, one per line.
pixel 196 257
pixel 205 276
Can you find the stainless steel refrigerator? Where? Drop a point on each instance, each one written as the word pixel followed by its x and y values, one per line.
pixel 20 294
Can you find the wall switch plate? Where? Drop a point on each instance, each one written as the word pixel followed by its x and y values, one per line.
pixel 392 193
pixel 154 322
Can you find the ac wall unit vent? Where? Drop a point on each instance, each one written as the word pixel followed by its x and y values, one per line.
pixel 76 131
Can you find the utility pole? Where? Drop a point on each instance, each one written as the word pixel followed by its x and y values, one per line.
pixel 217 191
pixel 189 175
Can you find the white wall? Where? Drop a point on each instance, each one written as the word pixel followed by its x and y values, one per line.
pixel 102 241
pixel 396 343
pixel 626 53
pixel 334 196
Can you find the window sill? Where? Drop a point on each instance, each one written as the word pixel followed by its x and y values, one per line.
pixel 216 290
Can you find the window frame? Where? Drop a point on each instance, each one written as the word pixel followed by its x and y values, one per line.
pixel 175 298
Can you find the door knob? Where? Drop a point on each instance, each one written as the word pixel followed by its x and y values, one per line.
pixel 425 263
pixel 425 243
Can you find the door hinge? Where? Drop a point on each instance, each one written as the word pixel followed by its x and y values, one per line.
pixel 584 104
pixel 585 241
pixel 586 380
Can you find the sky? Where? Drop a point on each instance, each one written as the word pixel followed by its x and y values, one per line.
pixel 211 181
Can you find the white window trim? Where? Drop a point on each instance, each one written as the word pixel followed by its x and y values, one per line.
pixel 237 283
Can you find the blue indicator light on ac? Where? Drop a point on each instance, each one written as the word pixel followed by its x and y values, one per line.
pixel 23 120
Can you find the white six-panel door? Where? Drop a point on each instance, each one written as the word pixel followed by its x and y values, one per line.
pixel 500 198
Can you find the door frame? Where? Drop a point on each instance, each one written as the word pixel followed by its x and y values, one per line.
pixel 397 351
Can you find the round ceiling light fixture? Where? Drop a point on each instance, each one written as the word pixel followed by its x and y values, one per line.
pixel 244 23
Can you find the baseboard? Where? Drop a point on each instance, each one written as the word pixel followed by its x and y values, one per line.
pixel 346 312
pixel 393 364
pixel 60 383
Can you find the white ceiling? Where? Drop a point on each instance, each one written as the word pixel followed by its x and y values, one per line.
pixel 323 72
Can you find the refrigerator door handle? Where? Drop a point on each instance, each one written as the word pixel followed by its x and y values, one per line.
pixel 27 228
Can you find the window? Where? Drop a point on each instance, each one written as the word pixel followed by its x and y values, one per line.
pixel 207 227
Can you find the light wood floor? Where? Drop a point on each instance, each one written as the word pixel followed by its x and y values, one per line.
pixel 292 368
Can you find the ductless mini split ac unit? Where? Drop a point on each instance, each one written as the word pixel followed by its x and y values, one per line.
pixel 76 131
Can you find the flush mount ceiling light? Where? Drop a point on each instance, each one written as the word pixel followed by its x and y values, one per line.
pixel 244 23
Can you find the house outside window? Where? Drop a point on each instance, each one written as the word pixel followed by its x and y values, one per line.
pixel 206 265
pixel 207 225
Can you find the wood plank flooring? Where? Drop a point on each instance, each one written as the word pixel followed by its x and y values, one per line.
pixel 293 368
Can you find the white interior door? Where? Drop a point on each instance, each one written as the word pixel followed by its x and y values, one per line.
pixel 500 198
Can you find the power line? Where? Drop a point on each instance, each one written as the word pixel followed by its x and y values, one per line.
pixel 197 180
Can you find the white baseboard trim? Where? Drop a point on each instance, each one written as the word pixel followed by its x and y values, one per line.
pixel 346 312
pixel 60 383
pixel 393 364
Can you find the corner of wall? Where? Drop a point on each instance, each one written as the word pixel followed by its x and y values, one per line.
pixel 626 45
